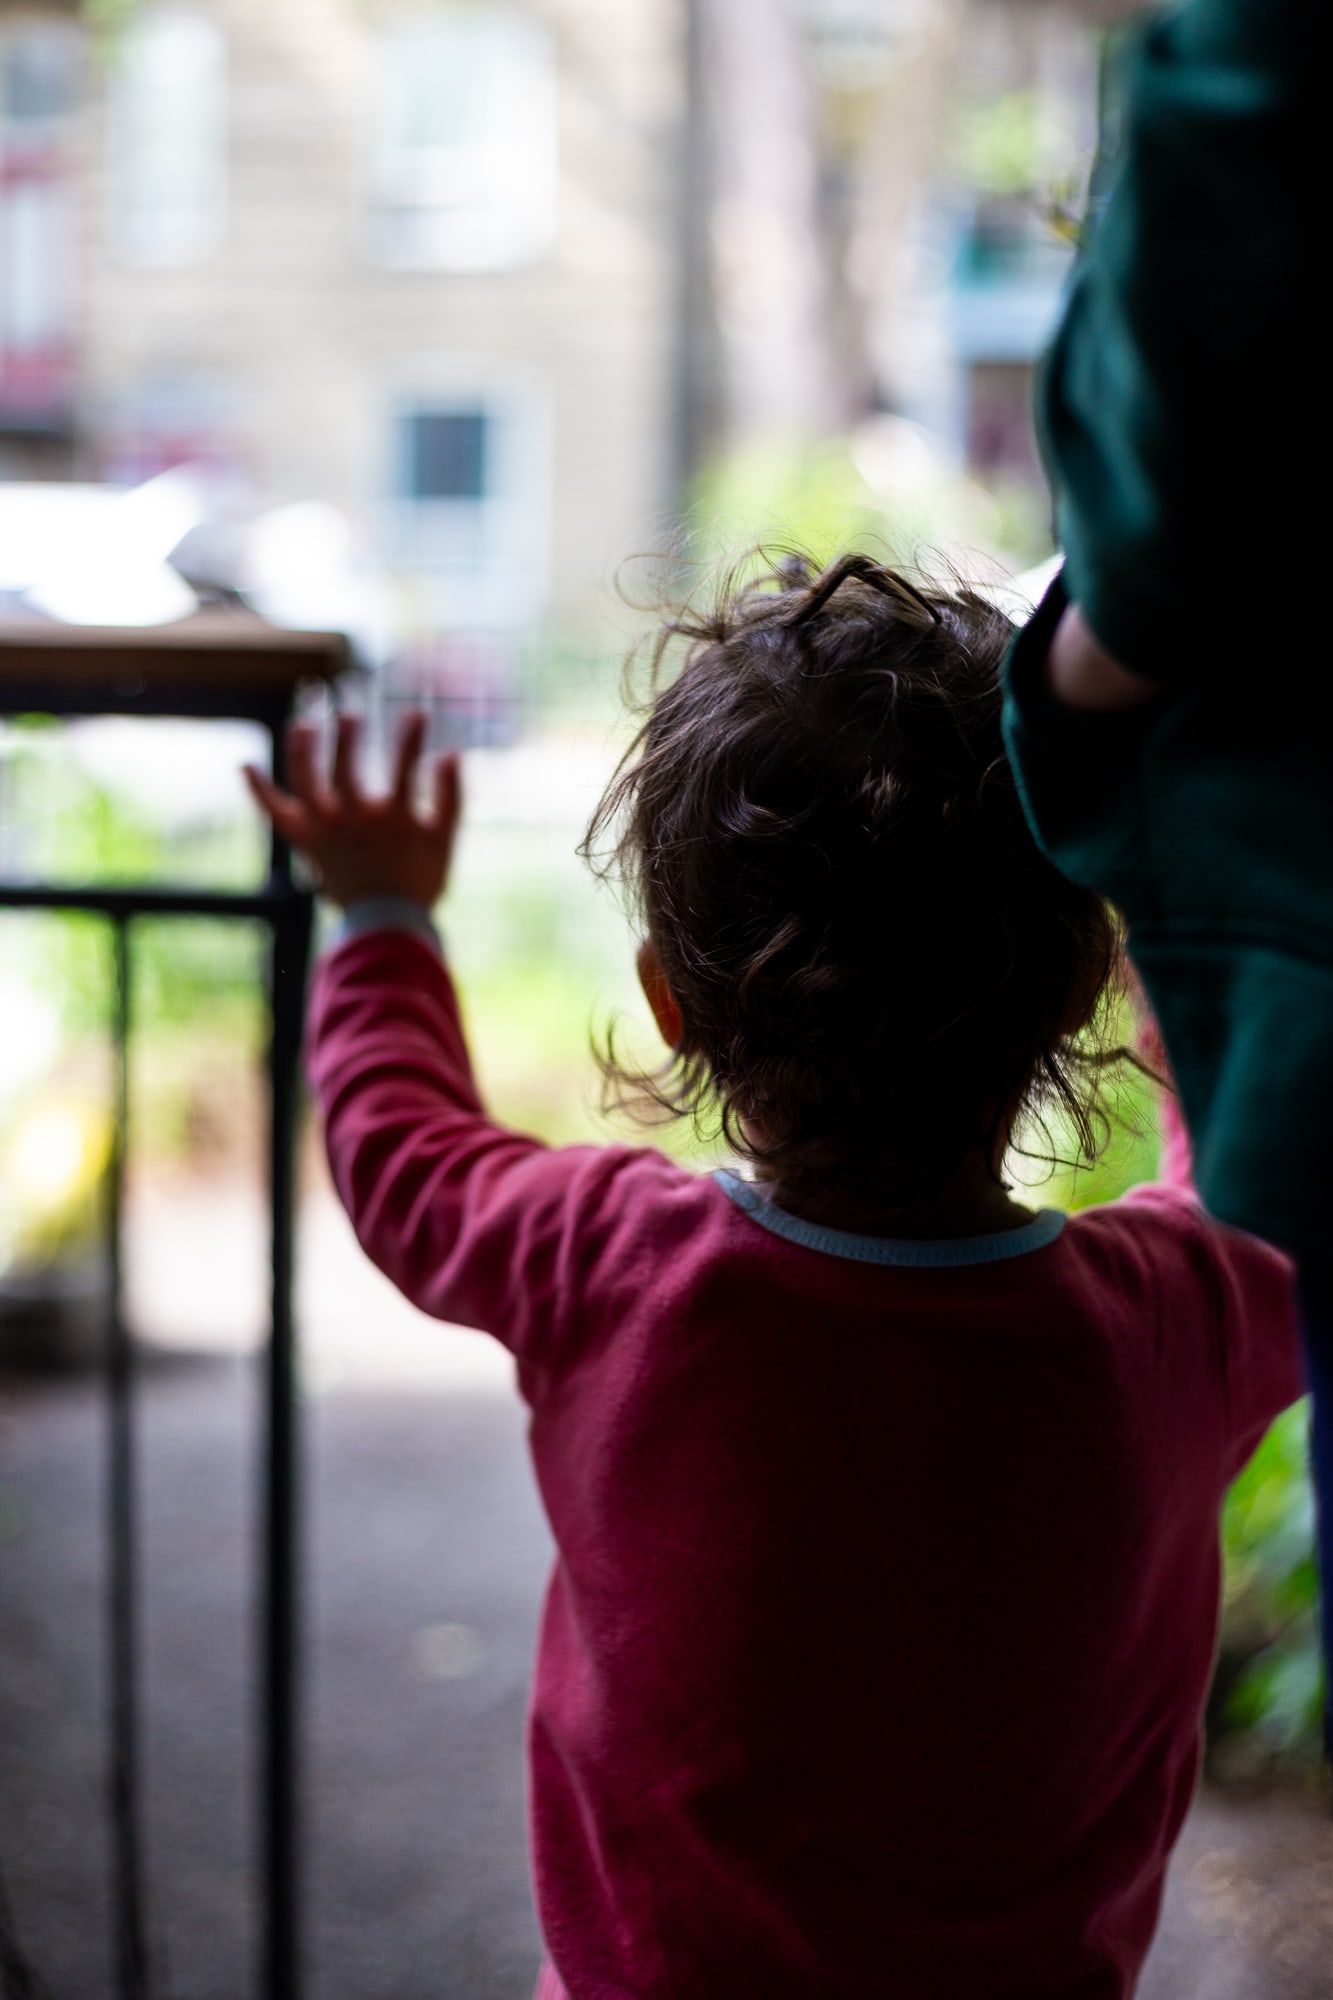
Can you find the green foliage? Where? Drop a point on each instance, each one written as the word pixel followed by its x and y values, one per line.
pixel 186 973
pixel 195 994
pixel 1046 1166
pixel 1021 165
pixel 896 498
pixel 106 21
pixel 1270 1650
pixel 545 965
pixel 810 496
pixel 1004 144
pixel 1017 146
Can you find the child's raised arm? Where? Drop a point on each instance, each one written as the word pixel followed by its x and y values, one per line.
pixel 473 1222
pixel 358 846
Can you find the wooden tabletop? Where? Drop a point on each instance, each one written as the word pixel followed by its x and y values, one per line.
pixel 210 649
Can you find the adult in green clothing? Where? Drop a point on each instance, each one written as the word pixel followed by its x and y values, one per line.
pixel 1162 706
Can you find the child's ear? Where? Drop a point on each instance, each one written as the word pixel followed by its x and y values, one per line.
pixel 658 994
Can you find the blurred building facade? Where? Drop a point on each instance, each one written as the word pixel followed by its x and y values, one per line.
pixel 414 261
pixel 489 276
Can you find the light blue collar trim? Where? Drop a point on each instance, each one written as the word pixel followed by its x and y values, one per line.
pixel 922 1252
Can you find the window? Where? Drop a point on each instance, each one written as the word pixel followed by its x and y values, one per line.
pixel 1000 440
pixel 167 140
pixel 464 147
pixel 34 260
pixel 38 72
pixel 446 454
pixel 466 541
pixel 469 505
pixel 36 82
pixel 448 505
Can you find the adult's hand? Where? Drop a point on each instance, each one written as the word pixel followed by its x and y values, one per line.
pixel 1080 673
pixel 359 846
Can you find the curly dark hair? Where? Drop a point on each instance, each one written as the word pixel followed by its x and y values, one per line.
pixel 877 969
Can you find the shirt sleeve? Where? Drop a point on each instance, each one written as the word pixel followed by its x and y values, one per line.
pixel 1247 1288
pixel 1252 1283
pixel 1182 382
pixel 1264 1369
pixel 473 1223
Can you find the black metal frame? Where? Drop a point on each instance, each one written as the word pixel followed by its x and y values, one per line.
pixel 213 668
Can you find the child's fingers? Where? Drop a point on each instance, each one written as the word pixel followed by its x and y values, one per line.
pixel 448 803
pixel 411 736
pixel 285 812
pixel 300 744
pixel 448 791
pixel 345 784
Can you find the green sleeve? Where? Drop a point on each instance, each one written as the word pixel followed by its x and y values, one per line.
pixel 1176 408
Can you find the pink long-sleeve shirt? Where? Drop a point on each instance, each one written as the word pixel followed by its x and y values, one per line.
pixel 887 1577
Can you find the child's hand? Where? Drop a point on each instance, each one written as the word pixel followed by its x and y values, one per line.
pixel 357 846
pixel 1080 673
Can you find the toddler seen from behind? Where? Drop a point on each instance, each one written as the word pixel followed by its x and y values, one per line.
pixel 885 1508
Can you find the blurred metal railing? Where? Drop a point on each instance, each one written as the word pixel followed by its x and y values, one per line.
pixel 215 665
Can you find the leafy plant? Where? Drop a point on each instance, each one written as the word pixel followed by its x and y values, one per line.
pixel 898 499
pixel 194 982
pixel 1270 1675
pixel 811 495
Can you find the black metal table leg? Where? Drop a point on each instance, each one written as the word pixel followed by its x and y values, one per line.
pixel 131 1941
pixel 220 667
pixel 288 965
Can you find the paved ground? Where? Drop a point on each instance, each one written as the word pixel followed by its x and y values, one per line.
pixel 426 1554
pixel 426 1559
